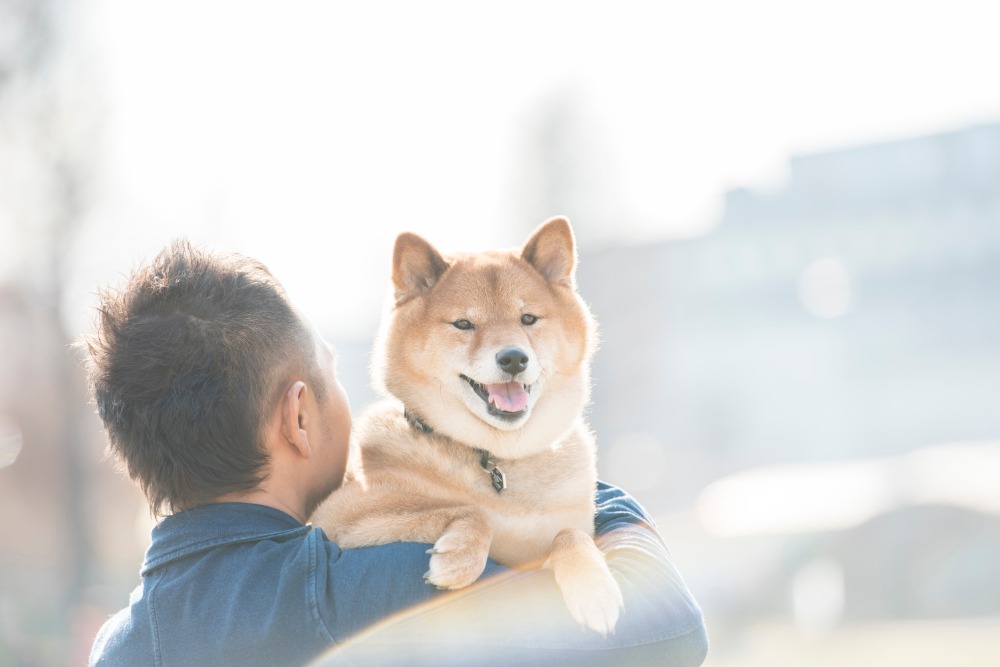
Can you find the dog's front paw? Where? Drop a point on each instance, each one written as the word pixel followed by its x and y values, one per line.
pixel 589 590
pixel 593 599
pixel 457 559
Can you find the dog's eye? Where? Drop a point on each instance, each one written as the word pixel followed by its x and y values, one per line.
pixel 462 324
pixel 528 319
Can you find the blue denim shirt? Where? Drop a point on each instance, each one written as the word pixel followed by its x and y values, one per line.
pixel 244 584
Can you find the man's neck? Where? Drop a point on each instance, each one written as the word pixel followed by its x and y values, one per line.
pixel 264 497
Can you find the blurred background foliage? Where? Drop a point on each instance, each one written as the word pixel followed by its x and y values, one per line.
pixel 789 226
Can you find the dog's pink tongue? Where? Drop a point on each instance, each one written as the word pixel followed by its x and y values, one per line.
pixel 509 397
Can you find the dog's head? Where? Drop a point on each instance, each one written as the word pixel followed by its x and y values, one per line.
pixel 491 349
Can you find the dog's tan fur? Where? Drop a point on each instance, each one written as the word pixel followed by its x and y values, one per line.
pixel 408 483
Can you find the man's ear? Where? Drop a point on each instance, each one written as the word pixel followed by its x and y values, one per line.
pixel 295 418
pixel 551 250
pixel 416 267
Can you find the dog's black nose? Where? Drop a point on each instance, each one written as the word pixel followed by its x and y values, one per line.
pixel 512 360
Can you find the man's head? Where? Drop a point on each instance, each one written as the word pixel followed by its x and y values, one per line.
pixel 188 362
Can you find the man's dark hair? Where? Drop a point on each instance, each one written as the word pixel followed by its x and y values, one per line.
pixel 185 360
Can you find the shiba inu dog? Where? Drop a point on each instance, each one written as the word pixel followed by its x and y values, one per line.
pixel 482 448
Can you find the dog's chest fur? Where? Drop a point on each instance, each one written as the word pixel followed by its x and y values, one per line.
pixel 545 492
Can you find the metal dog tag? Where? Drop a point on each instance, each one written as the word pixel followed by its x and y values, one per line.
pixel 497 478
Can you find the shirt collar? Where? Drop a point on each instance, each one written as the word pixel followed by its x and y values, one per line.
pixel 208 526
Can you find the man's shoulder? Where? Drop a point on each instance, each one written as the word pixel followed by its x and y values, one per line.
pixel 286 598
pixel 121 640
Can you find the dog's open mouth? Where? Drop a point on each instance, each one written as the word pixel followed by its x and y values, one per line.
pixel 507 400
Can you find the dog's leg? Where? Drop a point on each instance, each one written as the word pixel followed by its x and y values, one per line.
pixel 460 554
pixel 589 589
pixel 461 535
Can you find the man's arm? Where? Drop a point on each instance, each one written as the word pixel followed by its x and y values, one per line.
pixel 519 616
pixel 367 585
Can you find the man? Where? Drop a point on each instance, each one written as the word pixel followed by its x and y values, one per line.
pixel 224 406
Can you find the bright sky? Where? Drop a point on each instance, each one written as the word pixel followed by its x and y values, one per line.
pixel 310 133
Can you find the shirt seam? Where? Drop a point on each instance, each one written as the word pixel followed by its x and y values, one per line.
pixel 154 626
pixel 325 631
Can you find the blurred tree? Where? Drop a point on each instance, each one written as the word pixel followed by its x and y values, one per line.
pixel 48 142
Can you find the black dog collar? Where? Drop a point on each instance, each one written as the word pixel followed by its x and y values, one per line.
pixel 497 477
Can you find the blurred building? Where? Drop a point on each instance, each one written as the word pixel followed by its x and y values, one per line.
pixel 855 312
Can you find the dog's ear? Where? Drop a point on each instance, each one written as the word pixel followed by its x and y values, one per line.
pixel 416 267
pixel 552 251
